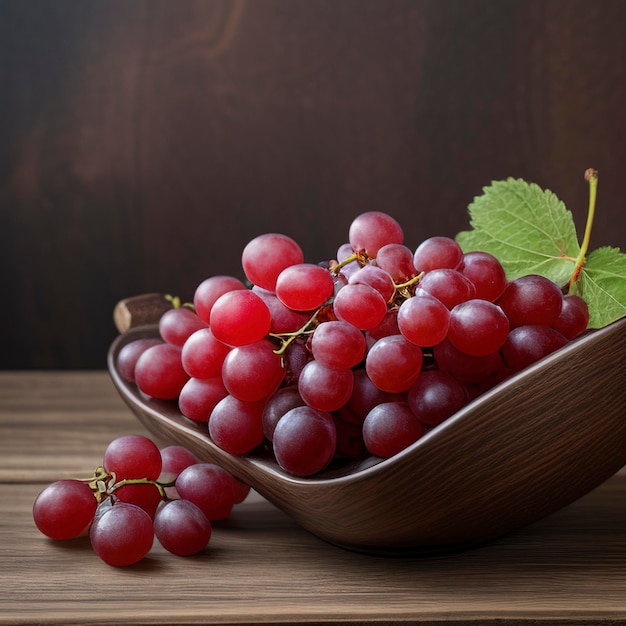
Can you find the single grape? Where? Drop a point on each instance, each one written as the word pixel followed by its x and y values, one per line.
pixel 397 260
pixel 389 428
pixel 573 318
pixel 144 495
pixel 531 300
pixel 209 487
pixel 436 396
pixel 122 535
pixel 393 363
pixel 377 278
pixel 209 290
pixel 202 355
pixel 304 287
pixel 176 325
pixel 284 319
pixel 478 327
pixel 64 509
pixel 360 305
pixel 423 320
pixel 486 274
pixel 465 367
pixel 266 256
pixel 527 344
pixel 388 326
pixel 236 426
pixel 437 253
pixel 324 388
pixel 133 456
pixel 338 345
pixel 239 318
pixel 159 372
pixel 130 353
pixel 182 528
pixel 282 401
pixel 447 285
pixel 304 440
pixel 371 230
pixel 199 396
pixel 175 459
pixel 365 396
pixel 252 372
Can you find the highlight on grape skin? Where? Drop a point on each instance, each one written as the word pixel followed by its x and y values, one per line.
pixel 426 325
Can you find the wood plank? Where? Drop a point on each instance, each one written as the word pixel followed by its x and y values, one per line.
pixel 260 567
pixel 58 424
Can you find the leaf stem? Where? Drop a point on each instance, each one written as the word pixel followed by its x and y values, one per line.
pixel 591 176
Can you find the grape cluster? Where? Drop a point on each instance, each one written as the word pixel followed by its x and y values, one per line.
pixel 360 355
pixel 138 493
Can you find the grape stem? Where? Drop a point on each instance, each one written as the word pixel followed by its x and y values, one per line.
pixel 591 176
pixel 402 288
pixel 104 483
pixel 286 339
pixel 177 303
pixel 360 257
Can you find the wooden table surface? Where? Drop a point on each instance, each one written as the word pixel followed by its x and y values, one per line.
pixel 259 566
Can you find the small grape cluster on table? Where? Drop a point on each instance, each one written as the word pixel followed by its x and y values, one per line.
pixel 138 493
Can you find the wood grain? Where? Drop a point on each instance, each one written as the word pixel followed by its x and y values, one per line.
pixel 261 567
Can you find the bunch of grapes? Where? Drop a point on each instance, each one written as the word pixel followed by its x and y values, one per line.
pixel 138 493
pixel 356 356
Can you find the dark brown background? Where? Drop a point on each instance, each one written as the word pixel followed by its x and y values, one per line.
pixel 143 143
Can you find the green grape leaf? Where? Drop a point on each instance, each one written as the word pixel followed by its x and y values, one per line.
pixel 602 284
pixel 528 229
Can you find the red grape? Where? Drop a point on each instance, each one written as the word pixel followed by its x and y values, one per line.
pixel 437 253
pixel 531 300
pixel 182 528
pixel 372 230
pixel 209 487
pixel 122 535
pixel 486 274
pixel 236 426
pixel 423 320
pixel 266 256
pixel 304 287
pixel 391 427
pixel 393 363
pixel 527 344
pixel 239 318
pixel 478 327
pixel 304 440
pixel 159 372
pixel 360 305
pixel 252 372
pixel 338 345
pixel 573 318
pixel 64 509
pixel 209 290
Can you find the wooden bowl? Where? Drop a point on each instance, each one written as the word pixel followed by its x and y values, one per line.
pixel 526 448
